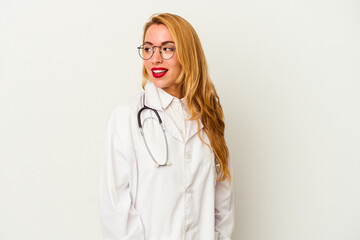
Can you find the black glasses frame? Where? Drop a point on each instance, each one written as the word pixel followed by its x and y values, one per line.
pixel 153 50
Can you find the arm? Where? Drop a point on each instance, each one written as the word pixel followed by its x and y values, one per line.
pixel 224 209
pixel 119 218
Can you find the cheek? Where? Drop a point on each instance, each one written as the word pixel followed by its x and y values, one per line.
pixel 176 66
pixel 147 67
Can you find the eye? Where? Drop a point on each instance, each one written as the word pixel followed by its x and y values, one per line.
pixel 147 49
pixel 168 49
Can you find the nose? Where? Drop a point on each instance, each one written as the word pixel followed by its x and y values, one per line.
pixel 156 58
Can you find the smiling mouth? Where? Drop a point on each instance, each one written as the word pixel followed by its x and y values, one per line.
pixel 159 72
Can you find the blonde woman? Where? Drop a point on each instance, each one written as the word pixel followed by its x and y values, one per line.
pixel 166 173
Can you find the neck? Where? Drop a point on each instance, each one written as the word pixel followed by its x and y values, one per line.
pixel 175 92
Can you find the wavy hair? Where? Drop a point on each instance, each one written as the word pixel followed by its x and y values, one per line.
pixel 196 86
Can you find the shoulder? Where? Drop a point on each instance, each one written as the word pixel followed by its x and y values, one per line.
pixel 125 111
pixel 129 105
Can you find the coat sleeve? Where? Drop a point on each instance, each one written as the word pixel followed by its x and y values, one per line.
pixel 224 209
pixel 119 218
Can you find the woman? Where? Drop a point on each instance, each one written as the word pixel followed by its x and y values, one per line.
pixel 166 171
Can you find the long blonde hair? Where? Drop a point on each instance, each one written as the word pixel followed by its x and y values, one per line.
pixel 196 85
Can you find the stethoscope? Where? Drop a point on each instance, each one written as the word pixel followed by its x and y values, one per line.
pixel 142 133
pixel 163 131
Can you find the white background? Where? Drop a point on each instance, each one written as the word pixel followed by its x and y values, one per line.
pixel 287 73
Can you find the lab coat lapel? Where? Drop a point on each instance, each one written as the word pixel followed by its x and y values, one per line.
pixel 152 100
pixel 171 128
pixel 192 130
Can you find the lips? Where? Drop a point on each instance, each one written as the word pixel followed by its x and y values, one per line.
pixel 158 72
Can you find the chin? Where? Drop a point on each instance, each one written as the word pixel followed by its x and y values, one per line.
pixel 158 83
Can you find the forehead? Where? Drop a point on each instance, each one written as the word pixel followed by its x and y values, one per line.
pixel 157 34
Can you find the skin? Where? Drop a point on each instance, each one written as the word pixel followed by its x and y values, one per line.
pixel 157 34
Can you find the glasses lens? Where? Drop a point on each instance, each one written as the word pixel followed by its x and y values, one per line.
pixel 168 50
pixel 146 51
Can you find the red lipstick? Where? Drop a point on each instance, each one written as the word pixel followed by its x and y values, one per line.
pixel 158 72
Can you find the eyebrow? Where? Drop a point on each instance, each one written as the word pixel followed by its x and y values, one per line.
pixel 161 43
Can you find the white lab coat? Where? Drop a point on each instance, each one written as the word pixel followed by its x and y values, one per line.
pixel 141 202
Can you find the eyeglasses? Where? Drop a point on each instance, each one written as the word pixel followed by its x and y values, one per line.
pixel 167 50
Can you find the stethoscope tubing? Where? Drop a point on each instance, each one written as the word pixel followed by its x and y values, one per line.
pixel 143 137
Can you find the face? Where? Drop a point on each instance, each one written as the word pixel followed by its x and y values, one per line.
pixel 163 73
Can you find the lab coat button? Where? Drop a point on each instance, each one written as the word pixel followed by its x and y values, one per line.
pixel 186 228
pixel 187 155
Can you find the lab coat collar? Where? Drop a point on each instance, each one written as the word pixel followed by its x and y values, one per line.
pixel 159 99
pixel 167 98
pixel 153 100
